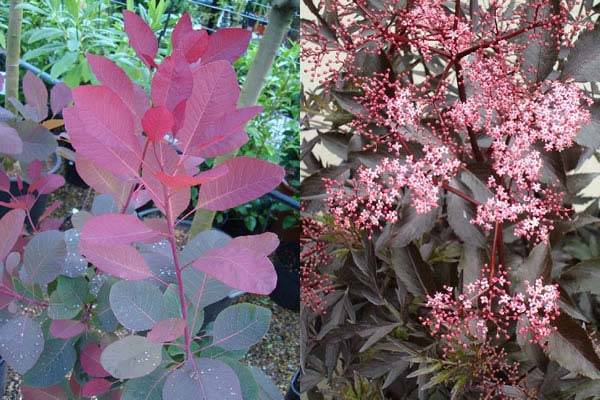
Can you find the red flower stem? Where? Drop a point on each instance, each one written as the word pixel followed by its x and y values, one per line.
pixel 460 194
pixel 497 234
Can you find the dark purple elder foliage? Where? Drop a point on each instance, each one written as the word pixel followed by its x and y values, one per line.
pixel 438 257
pixel 114 307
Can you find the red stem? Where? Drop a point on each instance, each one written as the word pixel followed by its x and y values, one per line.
pixel 497 234
pixel 9 292
pixel 460 194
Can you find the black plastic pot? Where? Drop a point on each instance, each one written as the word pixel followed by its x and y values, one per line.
pixel 294 390
pixel 286 261
pixel 40 205
pixel 70 172
pixel 2 376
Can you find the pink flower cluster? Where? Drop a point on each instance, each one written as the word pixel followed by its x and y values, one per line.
pixel 480 319
pixel 314 285
pixel 518 118
pixel 375 192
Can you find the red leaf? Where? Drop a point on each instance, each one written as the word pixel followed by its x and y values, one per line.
pixel 227 44
pixel 11 227
pixel 10 141
pixel 141 38
pixel 116 229
pixel 34 171
pixel 215 93
pixel 49 210
pixel 264 244
pixel 60 97
pixel 188 41
pixel 171 164
pixel 47 393
pixel 90 361
pixel 110 75
pixel 52 224
pixel 172 82
pixel 246 180
pixel 66 328
pixel 185 181
pixel 4 182
pixel 225 134
pixel 122 261
pixel 166 330
pixel 157 122
pixel 47 184
pixel 239 267
pixel 96 387
pixel 103 181
pixel 36 94
pixel 101 128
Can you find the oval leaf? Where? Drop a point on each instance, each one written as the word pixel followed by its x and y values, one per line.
pixel 21 343
pixel 141 38
pixel 131 357
pixel 240 326
pixel 56 361
pixel 11 226
pixel 66 328
pixel 207 380
pixel 136 304
pixel 246 179
pixel 167 330
pixel 90 360
pixel 239 267
pixel 44 256
pixel 116 229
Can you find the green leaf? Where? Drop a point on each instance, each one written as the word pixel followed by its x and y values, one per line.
pixel 250 222
pixel 57 359
pixel 63 65
pixel 240 326
pixel 249 386
pixel 68 298
pixel 103 314
pixel 47 33
pixel 72 7
pixel 267 390
pixel 148 387
pixel 42 51
pixel 131 357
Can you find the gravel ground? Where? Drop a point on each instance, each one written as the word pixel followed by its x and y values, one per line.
pixel 277 355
